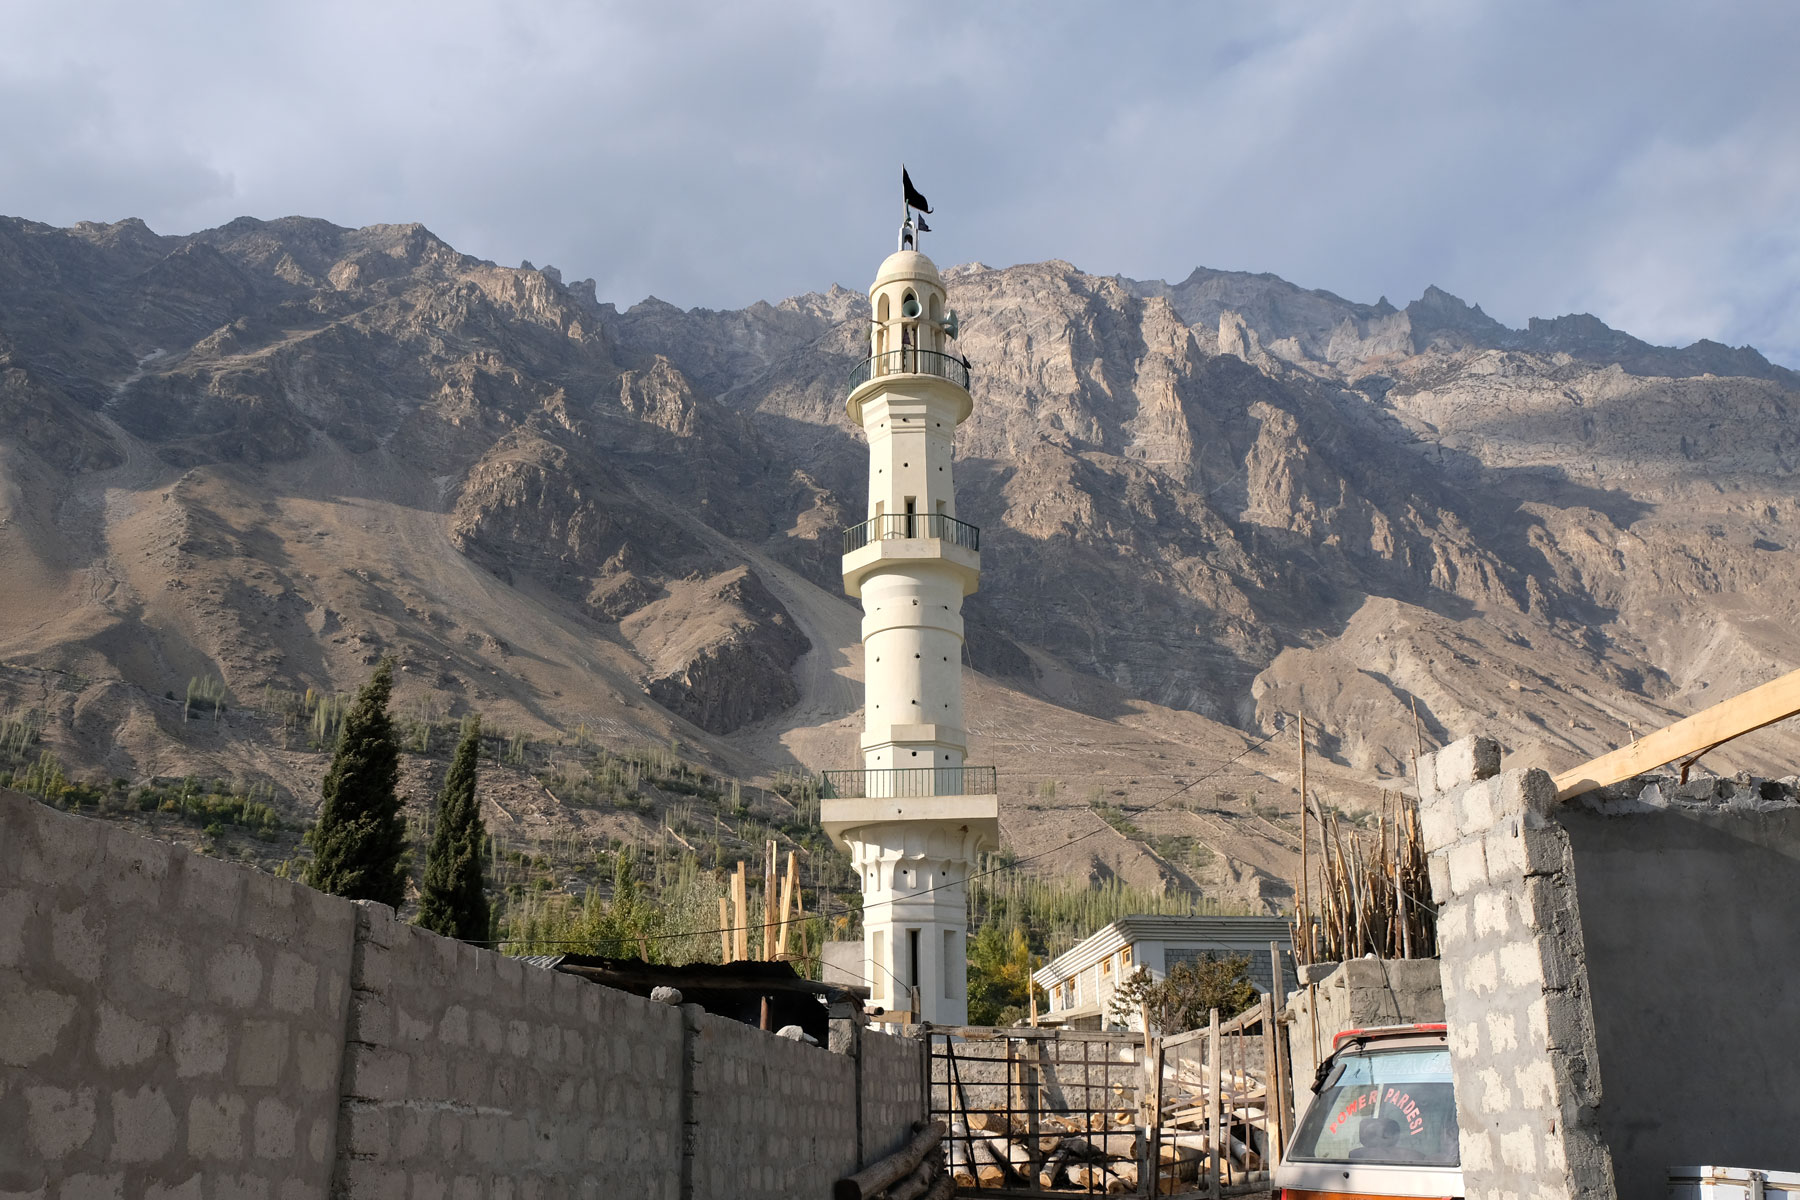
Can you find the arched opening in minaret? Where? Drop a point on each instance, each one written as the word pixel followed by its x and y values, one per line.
pixel 936 317
pixel 881 331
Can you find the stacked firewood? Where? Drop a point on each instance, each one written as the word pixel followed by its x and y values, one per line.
pixel 913 1172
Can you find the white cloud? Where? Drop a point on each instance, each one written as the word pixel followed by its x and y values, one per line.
pixel 1638 160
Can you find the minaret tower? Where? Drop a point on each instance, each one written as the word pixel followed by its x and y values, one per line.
pixel 916 816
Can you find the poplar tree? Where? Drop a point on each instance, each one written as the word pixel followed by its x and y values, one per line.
pixel 359 844
pixel 452 902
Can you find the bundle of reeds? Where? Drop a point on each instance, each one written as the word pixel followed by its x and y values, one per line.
pixel 1375 892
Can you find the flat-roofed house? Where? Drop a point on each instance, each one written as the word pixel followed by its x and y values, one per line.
pixel 1081 980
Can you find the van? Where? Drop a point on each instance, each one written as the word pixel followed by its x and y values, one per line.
pixel 1381 1121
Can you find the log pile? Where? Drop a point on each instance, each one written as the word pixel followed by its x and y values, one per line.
pixel 1101 1153
pixel 913 1172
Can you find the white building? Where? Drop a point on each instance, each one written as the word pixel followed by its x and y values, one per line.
pixel 915 816
pixel 1080 981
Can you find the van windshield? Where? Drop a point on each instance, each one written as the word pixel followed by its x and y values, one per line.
pixel 1383 1106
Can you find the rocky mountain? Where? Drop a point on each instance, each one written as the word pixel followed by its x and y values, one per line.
pixel 270 453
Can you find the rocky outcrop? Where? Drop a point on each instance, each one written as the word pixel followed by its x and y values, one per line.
pixel 720 649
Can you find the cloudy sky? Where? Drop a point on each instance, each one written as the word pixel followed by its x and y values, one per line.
pixel 1640 160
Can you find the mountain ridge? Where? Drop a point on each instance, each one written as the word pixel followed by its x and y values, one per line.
pixel 275 451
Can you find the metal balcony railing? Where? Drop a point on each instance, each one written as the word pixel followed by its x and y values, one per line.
pixel 906 782
pixel 912 525
pixel 908 361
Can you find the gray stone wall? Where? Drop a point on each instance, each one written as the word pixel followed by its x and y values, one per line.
pixel 173 1027
pixel 170 1025
pixel 1516 993
pixel 463 1066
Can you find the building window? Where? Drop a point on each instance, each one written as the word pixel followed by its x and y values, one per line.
pixel 1125 959
pixel 1106 966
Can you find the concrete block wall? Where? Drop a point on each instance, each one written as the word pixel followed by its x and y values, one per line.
pixel 1516 993
pixel 893 1091
pixel 170 1025
pixel 173 1027
pixel 740 1076
pixel 1358 994
pixel 462 1066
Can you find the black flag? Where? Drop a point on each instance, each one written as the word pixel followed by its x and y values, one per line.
pixel 913 199
pixel 923 227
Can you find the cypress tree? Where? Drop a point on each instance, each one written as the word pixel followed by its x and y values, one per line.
pixel 359 844
pixel 452 902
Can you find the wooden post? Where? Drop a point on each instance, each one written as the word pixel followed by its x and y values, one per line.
pixel 1272 1091
pixel 790 891
pixel 725 928
pixel 768 930
pixel 1214 1119
pixel 1282 1070
pixel 1305 898
pixel 740 916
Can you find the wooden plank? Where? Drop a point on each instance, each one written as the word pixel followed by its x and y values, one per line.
pixel 724 930
pixel 788 891
pixel 1774 701
pixel 1214 1117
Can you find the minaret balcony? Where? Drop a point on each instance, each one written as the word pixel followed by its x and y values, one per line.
pixel 954 809
pixel 908 361
pixel 900 540
pixel 909 783
pixel 913 525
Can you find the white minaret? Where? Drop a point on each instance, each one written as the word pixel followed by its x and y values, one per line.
pixel 915 817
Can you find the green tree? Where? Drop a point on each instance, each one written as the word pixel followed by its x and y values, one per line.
pixel 1185 999
pixel 452 901
pixel 359 844
pixel 999 975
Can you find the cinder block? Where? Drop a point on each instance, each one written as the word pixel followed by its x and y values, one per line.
pixel 135 870
pixel 54 850
pixel 143 1125
pixel 375 1073
pixel 187 1189
pixel 1467 862
pixel 1438 871
pixel 1478 809
pixel 1518 1150
pixel 78 941
pixel 216 1127
pixel 88 1186
pixel 371 1019
pixel 1490 911
pixel 240 1187
pixel 160 962
pixel 1439 823
pixel 518 1039
pixel 294 986
pixel 1546 850
pixel 1504 850
pixel 453 1026
pixel 200 1046
pixel 370 1181
pixel 275 1124
pixel 234 976
pixel 1522 964
pixel 262 1053
pixel 58 1120
pixel 1462 762
pixel 319 1054
pixel 123 1041
pixel 411 1134
pixel 208 887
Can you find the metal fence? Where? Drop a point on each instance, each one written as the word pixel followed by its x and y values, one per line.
pixel 1055 1112
pixel 911 362
pixel 903 782
pixel 912 525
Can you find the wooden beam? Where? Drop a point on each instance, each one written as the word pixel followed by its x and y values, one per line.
pixel 724 930
pixel 768 931
pixel 1686 738
pixel 789 890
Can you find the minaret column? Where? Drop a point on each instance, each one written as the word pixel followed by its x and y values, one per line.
pixel 916 816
